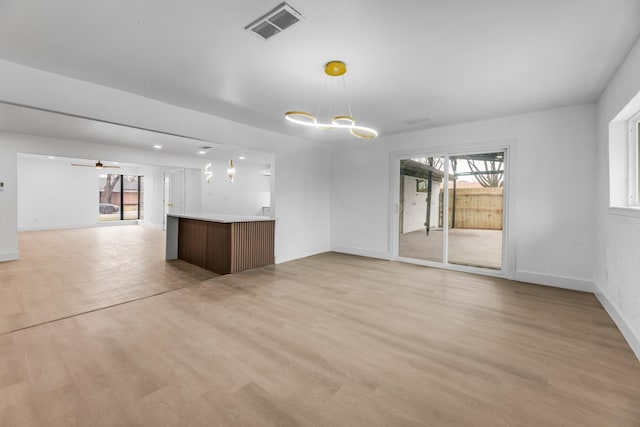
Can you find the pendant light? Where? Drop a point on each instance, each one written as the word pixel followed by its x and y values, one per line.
pixel 208 173
pixel 341 119
pixel 231 171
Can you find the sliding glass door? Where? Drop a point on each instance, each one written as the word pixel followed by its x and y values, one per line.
pixel 421 200
pixel 120 197
pixel 451 209
pixel 131 197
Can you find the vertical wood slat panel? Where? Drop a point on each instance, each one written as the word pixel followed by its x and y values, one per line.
pixel 192 242
pixel 252 245
pixel 226 247
pixel 219 247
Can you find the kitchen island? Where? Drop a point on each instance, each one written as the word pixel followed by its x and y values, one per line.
pixel 224 244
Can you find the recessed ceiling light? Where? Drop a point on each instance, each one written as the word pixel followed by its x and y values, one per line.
pixel 202 152
pixel 51 157
pixel 116 163
pixel 157 147
pixel 241 157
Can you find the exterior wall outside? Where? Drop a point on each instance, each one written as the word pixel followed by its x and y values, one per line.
pixel 415 207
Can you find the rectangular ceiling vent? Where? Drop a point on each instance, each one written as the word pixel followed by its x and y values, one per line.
pixel 275 21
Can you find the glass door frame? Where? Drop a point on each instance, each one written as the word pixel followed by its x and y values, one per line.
pixel 508 259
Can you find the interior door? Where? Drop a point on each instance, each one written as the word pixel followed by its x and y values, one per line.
pixel 173 193
pixel 176 191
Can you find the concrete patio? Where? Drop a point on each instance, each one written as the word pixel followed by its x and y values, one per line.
pixel 472 247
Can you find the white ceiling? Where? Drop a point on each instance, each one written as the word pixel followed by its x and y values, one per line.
pixel 64 127
pixel 453 61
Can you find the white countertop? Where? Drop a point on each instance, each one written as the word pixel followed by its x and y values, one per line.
pixel 213 217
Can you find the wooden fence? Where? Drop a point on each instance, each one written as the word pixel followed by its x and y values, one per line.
pixel 477 208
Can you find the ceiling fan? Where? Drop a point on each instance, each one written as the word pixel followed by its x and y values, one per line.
pixel 98 165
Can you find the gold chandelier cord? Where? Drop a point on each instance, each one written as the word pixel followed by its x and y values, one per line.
pixel 346 97
pixel 323 96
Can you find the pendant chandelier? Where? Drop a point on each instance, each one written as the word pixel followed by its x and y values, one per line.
pixel 340 119
pixel 208 173
pixel 231 171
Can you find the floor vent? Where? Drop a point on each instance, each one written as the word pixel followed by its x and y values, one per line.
pixel 275 21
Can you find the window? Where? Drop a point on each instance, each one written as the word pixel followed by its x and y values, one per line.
pixel 120 197
pixel 624 160
pixel 130 197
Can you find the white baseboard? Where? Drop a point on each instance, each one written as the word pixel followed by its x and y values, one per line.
pixel 150 225
pixel 361 252
pixel 279 259
pixel 621 322
pixel 563 282
pixel 71 226
pixel 8 256
pixel 339 249
pixel 53 227
pixel 116 223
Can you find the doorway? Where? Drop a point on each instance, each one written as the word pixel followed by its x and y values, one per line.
pixel 173 194
pixel 451 210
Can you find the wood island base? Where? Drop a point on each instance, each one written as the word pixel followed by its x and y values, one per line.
pixel 223 244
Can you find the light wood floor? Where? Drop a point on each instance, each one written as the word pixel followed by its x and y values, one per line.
pixel 329 340
pixel 62 273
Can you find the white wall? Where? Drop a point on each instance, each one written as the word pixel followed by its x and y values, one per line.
pixel 8 203
pixel 52 194
pixel 246 195
pixel 300 201
pixel 617 274
pixel 551 188
pixel 192 190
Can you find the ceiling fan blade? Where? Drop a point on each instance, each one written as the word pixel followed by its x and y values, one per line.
pixel 97 166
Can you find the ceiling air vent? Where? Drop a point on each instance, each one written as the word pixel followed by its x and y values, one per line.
pixel 274 21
